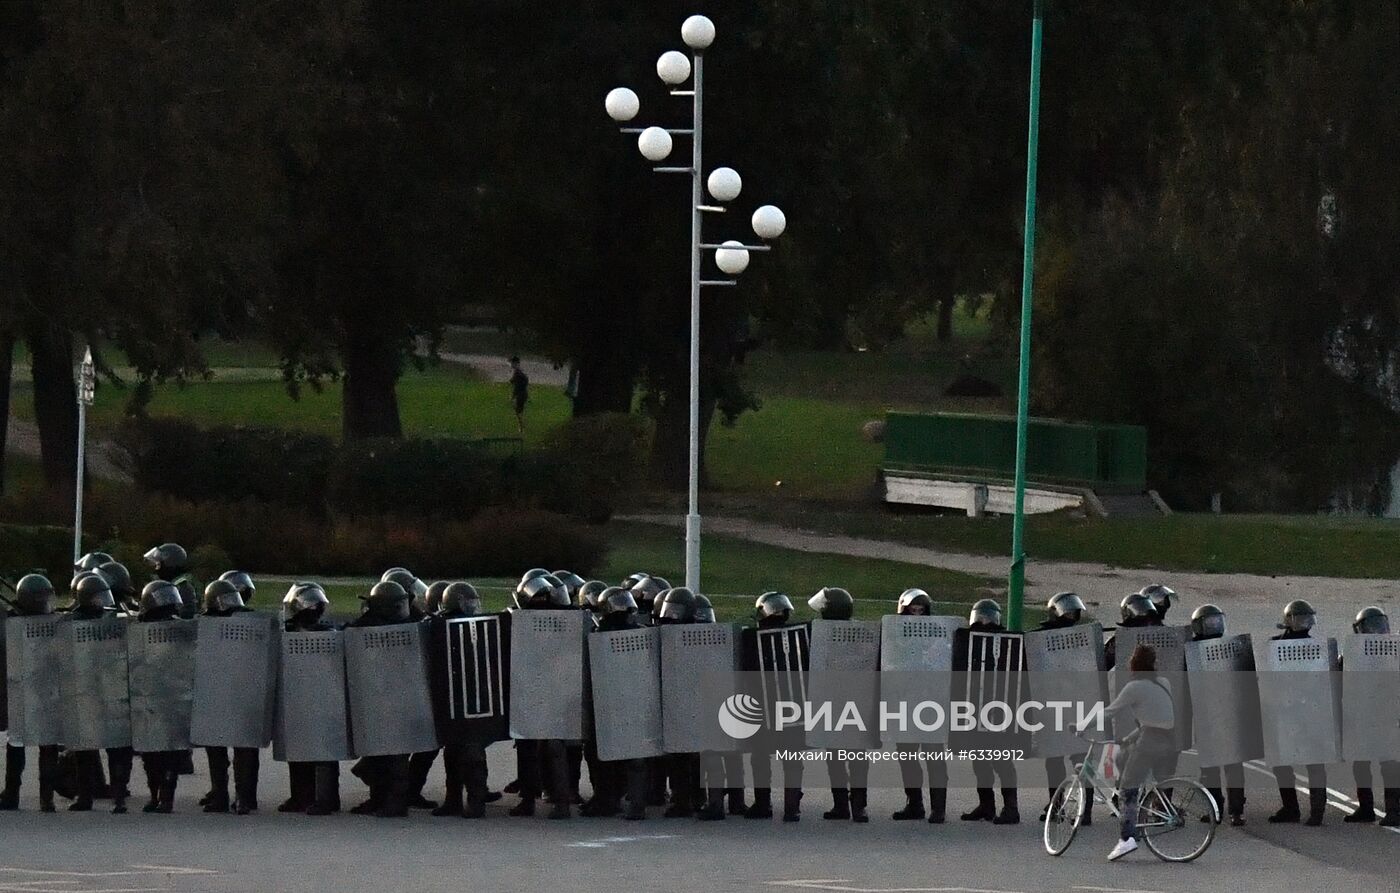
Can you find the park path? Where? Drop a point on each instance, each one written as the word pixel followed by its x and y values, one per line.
pixel 1253 601
pixel 104 458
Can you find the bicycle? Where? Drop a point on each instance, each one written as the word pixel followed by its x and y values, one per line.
pixel 1167 811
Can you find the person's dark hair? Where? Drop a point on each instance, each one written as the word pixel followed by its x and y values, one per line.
pixel 515 360
pixel 1143 660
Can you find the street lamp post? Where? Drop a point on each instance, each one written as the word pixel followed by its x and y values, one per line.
pixel 731 257
pixel 86 387
pixel 1016 584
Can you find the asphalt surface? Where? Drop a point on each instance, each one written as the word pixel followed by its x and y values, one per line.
pixel 189 851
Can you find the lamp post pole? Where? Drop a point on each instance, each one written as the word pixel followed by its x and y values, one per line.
pixel 86 382
pixel 1016 584
pixel 692 518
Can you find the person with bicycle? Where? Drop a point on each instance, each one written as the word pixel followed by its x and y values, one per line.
pixel 1147 700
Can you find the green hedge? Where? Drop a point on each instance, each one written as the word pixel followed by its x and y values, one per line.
pixel 41 549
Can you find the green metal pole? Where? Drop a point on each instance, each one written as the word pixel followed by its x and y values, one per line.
pixel 1016 589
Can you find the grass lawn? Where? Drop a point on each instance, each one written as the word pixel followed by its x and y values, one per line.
pixel 1260 544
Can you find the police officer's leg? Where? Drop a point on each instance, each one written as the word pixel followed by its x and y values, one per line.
pixel 217 799
pixel 761 772
pixel 1210 780
pixel 937 790
pixel 245 779
pixel 859 771
pixel 452 761
pixel 556 768
pixel 325 788
pixel 14 776
pixel 168 765
pixel 419 765
pixel 1390 778
pixel 912 775
pixel 574 752
pixel 119 763
pixel 88 764
pixel 838 774
pixel 1287 793
pixel 1317 793
pixel 48 775
pixel 680 775
pixel 1010 809
pixel 1054 775
pixel 602 801
pixel 472 771
pixel 398 781
pixel 527 768
pixel 734 784
pixel 1234 784
pixel 1365 795
pixel 301 784
pixel 986 809
pixel 792 789
pixel 637 775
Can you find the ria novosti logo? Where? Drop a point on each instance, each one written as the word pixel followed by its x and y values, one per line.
pixel 740 716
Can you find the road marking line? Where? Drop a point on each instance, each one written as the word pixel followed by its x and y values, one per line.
pixel 838 884
pixel 604 842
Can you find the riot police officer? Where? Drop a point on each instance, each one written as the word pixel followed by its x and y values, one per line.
pixel 1208 622
pixel 90 562
pixel 541 762
pixel 1135 610
pixel 93 600
pixel 645 592
pixel 243 582
pixel 619 777
pixel 170 563
pixel 773 611
pixel 161 602
pixel 588 596
pixel 1161 596
pixel 222 599
pixel 1298 618
pixel 420 607
pixel 722 774
pixel 1374 621
pixel 1064 609
pixel 681 771
pixel 985 618
pixel 463 759
pixel 315 786
pixel 848 778
pixel 572 582
pixel 433 600
pixel 917 603
pixel 34 597
pixel 123 591
pixel 389 776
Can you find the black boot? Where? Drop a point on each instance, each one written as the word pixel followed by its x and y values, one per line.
pixel 913 806
pixel 14 775
pixel 1288 813
pixel 1317 806
pixel 735 801
pixel 1010 812
pixel 937 805
pixel 713 810
pixel 986 807
pixel 217 802
pixel 840 804
pixel 1236 806
pixel 858 801
pixel 46 796
pixel 1392 808
pixel 451 803
pixel 792 804
pixel 1366 811
pixel 152 804
pixel 762 806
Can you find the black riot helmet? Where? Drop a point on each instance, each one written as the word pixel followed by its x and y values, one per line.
pixel 1208 622
pixel 1065 606
pixel 1298 616
pixel 1371 621
pixel 304 602
pixel 434 597
pixel 676 605
pixel 772 609
pixel 833 603
pixel 34 595
pixel 159 597
pixel 645 592
pixel 119 578
pixel 1161 596
pixel 662 582
pixel 416 589
pixel 704 610
pixel 542 592
pixel 388 601
pixel 222 597
pixel 92 561
pixel 572 582
pixel 92 592
pixel 589 592
pixel 618 604
pixel 168 560
pixel 632 580
pixel 914 602
pixel 460 600
pixel 1137 610
pixel 559 595
pixel 531 574
pixel 243 582
pixel 985 613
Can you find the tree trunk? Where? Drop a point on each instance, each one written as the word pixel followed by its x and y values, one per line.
pixel 606 382
pixel 945 318
pixel 7 357
pixel 369 399
pixel 670 448
pixel 55 403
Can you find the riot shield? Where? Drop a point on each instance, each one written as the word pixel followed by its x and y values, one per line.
pixel 160 670
pixel 845 665
pixel 1299 701
pixel 916 664
pixel 95 686
pixel 698 664
pixel 779 658
pixel 1370 705
pixel 1065 665
pixel 235 680
pixel 547 674
pixel 386 672
pixel 469 673
pixel 1224 700
pixel 312 719
pixel 35 668
pixel 1170 643
pixel 625 668
pixel 990 670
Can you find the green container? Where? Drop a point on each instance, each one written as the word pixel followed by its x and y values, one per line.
pixel 984 447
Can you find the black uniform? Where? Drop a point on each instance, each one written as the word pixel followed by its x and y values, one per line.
pixel 1284 775
pixel 245 767
pixel 464 741
pixel 1234 778
pixel 389 777
pixel 974 655
pixel 765 742
pixel 1055 769
pixel 89 781
pixel 617 779
pixel 162 767
pixel 315 786
pixel 15 760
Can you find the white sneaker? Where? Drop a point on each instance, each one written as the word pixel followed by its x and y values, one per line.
pixel 1124 848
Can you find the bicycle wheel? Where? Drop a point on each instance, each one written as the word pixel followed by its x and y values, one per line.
pixel 1063 815
pixel 1168 816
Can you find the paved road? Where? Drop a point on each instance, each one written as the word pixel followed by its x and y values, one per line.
pixel 100 853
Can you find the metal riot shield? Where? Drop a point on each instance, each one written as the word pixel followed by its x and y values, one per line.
pixel 386 672
pixel 547 674
pixel 1065 665
pixel 1370 703
pixel 990 668
pixel 160 670
pixel 1170 643
pixel 916 666
pixel 312 717
pixel 1299 701
pixel 844 673
pixel 95 686
pixel 625 668
pixel 1224 700
pixel 698 666
pixel 35 668
pixel 780 658
pixel 469 673
pixel 235 680
pixel 4 675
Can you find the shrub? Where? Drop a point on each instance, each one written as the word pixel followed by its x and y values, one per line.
pixel 41 549
pixel 591 464
pixel 438 478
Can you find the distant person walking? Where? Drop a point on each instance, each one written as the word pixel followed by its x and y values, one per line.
pixel 519 392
